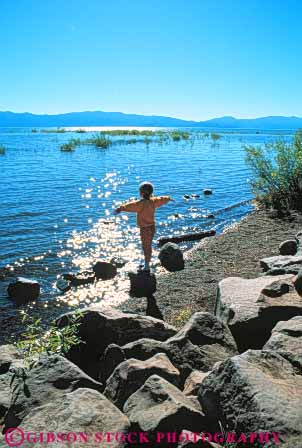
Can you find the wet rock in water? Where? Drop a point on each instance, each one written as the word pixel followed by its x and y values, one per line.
pixel 130 375
pixel 152 308
pixel 257 389
pixel 195 196
pixel 104 270
pixel 193 382
pixel 298 283
pixel 68 276
pixel 63 285
pixel 158 408
pixel 171 257
pixel 186 196
pixel 46 381
pixel 277 289
pixel 24 290
pixel 280 262
pixel 113 356
pixel 288 247
pixel 210 216
pixel 119 262
pixel 142 284
pixel 286 336
pixel 249 313
pixel 199 345
pixel 99 327
pixel 83 278
pixel 83 411
pixel 207 191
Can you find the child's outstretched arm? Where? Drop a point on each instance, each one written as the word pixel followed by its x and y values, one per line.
pixel 161 200
pixel 132 206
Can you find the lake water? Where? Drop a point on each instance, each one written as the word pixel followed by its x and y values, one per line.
pixel 56 208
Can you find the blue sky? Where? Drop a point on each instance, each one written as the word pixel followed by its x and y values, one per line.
pixel 195 59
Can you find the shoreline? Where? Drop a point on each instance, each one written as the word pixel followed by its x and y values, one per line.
pixel 233 253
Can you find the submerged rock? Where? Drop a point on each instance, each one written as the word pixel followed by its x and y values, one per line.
pixel 171 257
pixel 255 391
pixel 24 290
pixel 104 270
pixel 249 313
pixel 207 191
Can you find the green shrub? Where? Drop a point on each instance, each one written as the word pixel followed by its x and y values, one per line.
pixel 215 137
pixel 179 135
pixel 2 150
pixel 56 340
pixel 100 141
pixel 277 169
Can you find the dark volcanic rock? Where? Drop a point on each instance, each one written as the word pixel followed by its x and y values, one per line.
pixel 82 278
pixel 130 375
pixel 82 411
pixel 288 247
pixel 171 257
pixel 99 327
pixel 24 290
pixel 142 284
pixel 119 262
pixel 249 313
pixel 47 381
pixel 255 391
pixel 202 342
pixel 286 336
pixel 207 191
pixel 159 407
pixel 112 357
pixel 104 270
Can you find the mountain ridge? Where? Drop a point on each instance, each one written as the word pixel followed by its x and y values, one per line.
pixel 101 118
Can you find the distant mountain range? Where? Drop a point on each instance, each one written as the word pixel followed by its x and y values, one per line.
pixel 99 118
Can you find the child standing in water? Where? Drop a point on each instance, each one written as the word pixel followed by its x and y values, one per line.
pixel 145 219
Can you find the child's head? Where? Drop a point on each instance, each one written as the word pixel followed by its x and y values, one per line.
pixel 146 190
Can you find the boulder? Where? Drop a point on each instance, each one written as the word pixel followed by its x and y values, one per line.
pixel 171 257
pixel 288 247
pixel 280 262
pixel 11 361
pixel 10 357
pixel 130 375
pixel 277 288
pixel 84 414
pixel 292 269
pixel 286 336
pixel 160 408
pixel 142 284
pixel 207 191
pixel 83 278
pixel 104 270
pixel 249 313
pixel 46 381
pixel 202 342
pixel 99 327
pixel 298 282
pixel 63 285
pixel 112 357
pixel 193 382
pixel 24 290
pixel 257 391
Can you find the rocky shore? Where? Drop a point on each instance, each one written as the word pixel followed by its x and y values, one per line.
pixel 224 367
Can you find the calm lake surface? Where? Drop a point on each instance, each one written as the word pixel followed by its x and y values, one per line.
pixel 56 208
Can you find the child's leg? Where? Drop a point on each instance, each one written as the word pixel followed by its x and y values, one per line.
pixel 147 234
